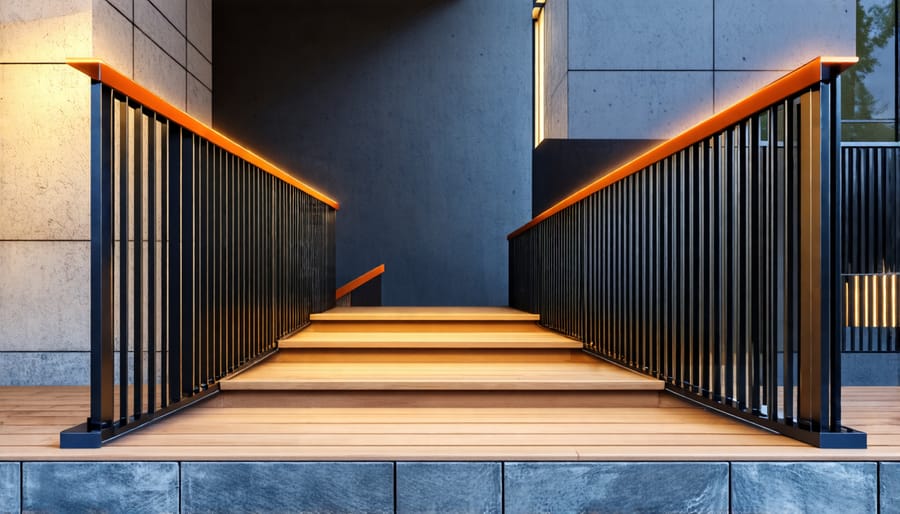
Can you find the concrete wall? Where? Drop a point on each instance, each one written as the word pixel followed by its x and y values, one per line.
pixel 458 487
pixel 649 69
pixel 415 115
pixel 44 163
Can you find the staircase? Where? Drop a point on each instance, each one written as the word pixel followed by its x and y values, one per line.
pixel 431 357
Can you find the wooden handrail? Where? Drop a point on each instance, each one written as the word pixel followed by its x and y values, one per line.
pixel 354 284
pixel 102 72
pixel 804 76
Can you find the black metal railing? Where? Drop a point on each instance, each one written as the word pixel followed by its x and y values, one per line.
pixel 200 260
pixel 871 246
pixel 712 262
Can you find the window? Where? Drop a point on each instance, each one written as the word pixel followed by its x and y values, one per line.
pixel 869 89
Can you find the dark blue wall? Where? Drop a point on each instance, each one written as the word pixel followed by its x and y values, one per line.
pixel 415 114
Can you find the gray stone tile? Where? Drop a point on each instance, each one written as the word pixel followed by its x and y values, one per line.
pixel 113 37
pixel 637 104
pixel 44 183
pixel 199 25
pixel 175 11
pixel 158 72
pixel 160 30
pixel 733 86
pixel 126 7
pixel 890 487
pixel 459 487
pixel 287 487
pixel 45 368
pixel 557 117
pixel 794 487
pixel 616 487
pixel 199 66
pixel 10 482
pixel 44 295
pixel 199 101
pixel 624 35
pixel 44 30
pixel 749 37
pixel 132 487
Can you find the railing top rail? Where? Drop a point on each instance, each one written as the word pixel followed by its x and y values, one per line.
pixel 810 73
pixel 354 284
pixel 102 72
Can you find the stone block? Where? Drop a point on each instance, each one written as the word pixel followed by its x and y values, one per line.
pixel 460 487
pixel 160 30
pixel 134 487
pixel 113 37
pixel 44 179
pixel 637 104
pixel 45 30
pixel 199 26
pixel 837 487
pixel 890 487
pixel 10 483
pixel 287 487
pixel 646 35
pixel 158 72
pixel 781 34
pixel 599 487
pixel 44 295
pixel 45 368
pixel 175 11
pixel 199 101
pixel 199 66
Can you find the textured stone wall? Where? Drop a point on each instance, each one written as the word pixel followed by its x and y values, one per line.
pixel 649 69
pixel 166 45
pixel 458 487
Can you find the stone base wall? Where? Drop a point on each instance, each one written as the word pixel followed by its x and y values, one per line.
pixel 459 487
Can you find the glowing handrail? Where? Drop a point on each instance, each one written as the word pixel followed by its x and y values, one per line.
pixel 804 76
pixel 102 72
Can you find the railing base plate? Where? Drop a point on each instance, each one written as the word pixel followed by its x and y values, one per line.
pixel 80 436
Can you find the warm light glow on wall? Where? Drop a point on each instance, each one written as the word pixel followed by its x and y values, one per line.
pixel 871 300
pixel 539 39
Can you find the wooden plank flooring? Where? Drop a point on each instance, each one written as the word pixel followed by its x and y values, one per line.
pixel 424 314
pixel 31 418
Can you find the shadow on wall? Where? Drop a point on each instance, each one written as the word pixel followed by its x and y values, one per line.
pixel 414 114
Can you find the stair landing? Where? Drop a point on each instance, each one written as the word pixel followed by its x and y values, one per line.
pixel 441 356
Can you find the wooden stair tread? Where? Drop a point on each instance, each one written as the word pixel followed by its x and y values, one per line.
pixel 435 339
pixel 424 314
pixel 440 376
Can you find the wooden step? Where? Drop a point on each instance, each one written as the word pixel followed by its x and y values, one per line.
pixel 447 376
pixel 377 338
pixel 424 314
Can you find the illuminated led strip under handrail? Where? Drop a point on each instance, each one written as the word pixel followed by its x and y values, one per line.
pixel 355 284
pixel 804 76
pixel 102 72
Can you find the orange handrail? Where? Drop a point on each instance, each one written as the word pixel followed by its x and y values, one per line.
pixel 102 72
pixel 354 284
pixel 804 76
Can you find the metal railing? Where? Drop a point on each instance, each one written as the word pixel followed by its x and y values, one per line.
pixel 713 261
pixel 871 246
pixel 202 256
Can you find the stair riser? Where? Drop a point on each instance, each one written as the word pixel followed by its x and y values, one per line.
pixel 424 326
pixel 436 399
pixel 436 355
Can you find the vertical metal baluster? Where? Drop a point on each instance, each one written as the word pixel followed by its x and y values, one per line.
pixel 138 302
pixel 188 243
pixel 151 262
pixel 165 325
pixel 123 259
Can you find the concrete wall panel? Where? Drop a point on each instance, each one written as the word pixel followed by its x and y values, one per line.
pixel 44 30
pixel 159 29
pixel 44 170
pixel 781 34
pixel 733 86
pixel 637 105
pixel 113 37
pixel 44 295
pixel 645 35
pixel 158 72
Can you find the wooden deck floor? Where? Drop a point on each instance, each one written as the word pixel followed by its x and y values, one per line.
pixel 31 418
